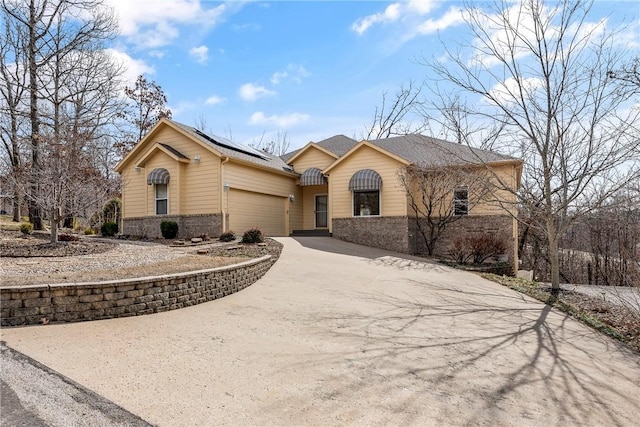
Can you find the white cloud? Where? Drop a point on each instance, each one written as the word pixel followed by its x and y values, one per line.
pixel 157 53
pixel 200 53
pixel 281 121
pixel 133 67
pixel 410 19
pixel 150 25
pixel 214 100
pixel 508 91
pixel 390 14
pixel 454 16
pixel 182 107
pixel 294 72
pixel 251 92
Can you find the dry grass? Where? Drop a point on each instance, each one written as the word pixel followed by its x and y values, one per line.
pixel 616 320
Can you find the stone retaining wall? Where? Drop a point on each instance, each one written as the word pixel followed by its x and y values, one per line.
pixel 28 305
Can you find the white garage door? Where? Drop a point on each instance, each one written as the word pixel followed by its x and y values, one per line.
pixel 248 210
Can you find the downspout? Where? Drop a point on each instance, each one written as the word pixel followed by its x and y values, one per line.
pixel 222 194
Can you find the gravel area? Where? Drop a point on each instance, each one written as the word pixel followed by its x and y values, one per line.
pixel 121 259
pixel 34 395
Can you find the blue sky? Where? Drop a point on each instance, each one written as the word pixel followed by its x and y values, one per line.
pixel 311 68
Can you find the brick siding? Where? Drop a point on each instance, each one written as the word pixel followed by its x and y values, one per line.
pixel 188 225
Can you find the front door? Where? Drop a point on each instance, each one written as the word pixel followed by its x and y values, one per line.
pixel 321 210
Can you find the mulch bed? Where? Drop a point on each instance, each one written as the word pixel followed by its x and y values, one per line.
pixel 16 244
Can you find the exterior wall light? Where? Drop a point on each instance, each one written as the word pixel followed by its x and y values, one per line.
pixel 226 186
pixel 292 198
pixel 196 159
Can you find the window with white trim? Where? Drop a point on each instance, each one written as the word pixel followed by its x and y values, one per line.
pixel 366 203
pixel 162 199
pixel 461 201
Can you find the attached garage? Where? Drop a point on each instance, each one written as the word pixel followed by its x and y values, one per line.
pixel 248 210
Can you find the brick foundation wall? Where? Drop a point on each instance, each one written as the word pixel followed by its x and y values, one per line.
pixel 500 225
pixel 130 297
pixel 380 232
pixel 188 225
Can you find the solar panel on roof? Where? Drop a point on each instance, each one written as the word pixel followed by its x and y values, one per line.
pixel 232 145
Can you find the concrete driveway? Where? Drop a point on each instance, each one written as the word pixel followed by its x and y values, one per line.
pixel 340 334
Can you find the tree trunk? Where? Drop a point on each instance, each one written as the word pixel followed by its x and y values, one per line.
pixel 554 256
pixel 54 217
pixel 17 207
pixel 34 208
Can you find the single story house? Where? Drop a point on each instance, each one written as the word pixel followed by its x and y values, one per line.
pixel 349 189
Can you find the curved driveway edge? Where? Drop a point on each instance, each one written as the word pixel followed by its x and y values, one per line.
pixel 341 334
pixel 34 395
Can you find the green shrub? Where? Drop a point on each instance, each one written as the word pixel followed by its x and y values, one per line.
pixel 253 235
pixel 169 229
pixel 26 228
pixel 228 236
pixel 67 238
pixel 109 229
pixel 89 231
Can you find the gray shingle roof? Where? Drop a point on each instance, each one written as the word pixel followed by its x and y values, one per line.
pixel 338 145
pixel 241 152
pixel 174 151
pixel 431 152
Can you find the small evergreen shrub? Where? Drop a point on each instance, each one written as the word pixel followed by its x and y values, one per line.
pixel 109 229
pixel 89 231
pixel 26 228
pixel 253 235
pixel 67 238
pixel 169 229
pixel 228 236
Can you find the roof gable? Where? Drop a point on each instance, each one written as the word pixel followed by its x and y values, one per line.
pixel 336 145
pixel 310 146
pixel 361 145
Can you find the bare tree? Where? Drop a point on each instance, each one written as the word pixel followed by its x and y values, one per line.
pixel 13 85
pixel 52 29
pixel 147 107
pixel 278 145
pixel 200 123
pixel 542 72
pixel 396 116
pixel 441 196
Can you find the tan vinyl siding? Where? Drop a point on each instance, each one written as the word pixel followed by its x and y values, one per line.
pixel 312 158
pixel 393 198
pixel 494 201
pixel 194 188
pixel 296 210
pixel 201 186
pixel 309 203
pixel 134 200
pixel 243 177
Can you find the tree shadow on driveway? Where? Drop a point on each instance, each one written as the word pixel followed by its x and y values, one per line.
pixel 511 361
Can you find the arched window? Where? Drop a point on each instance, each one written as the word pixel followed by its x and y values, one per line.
pixel 159 178
pixel 365 186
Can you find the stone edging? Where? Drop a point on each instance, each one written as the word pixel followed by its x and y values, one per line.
pixel 29 305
